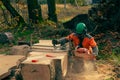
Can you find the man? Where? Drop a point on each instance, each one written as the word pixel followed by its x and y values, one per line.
pixel 82 41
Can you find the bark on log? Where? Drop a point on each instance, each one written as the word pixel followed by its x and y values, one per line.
pixel 58 70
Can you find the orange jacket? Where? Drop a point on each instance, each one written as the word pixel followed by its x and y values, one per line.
pixel 88 42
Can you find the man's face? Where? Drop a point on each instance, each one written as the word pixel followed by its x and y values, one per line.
pixel 80 35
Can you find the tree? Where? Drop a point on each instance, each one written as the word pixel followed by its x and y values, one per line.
pixel 34 10
pixel 64 4
pixel 20 21
pixel 52 10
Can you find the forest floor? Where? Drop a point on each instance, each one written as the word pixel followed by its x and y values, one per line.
pixel 101 71
pixel 105 69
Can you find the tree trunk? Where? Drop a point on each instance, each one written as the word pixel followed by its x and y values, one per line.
pixel 76 3
pixel 65 4
pixel 52 10
pixel 20 21
pixel 34 10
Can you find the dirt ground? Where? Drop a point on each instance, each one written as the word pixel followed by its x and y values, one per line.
pixel 90 70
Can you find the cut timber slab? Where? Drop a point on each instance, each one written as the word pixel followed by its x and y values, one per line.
pixel 7 62
pixel 46 46
pixel 44 66
pixel 44 42
pixel 20 50
pixel 43 46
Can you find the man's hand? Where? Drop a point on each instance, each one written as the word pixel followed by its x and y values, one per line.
pixel 54 42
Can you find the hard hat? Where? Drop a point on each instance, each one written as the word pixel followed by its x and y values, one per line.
pixel 80 28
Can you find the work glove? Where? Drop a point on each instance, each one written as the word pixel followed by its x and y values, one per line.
pixel 54 42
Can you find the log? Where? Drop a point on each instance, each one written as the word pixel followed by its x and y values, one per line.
pixel 47 65
pixel 54 56
pixel 41 70
pixel 20 50
pixel 6 37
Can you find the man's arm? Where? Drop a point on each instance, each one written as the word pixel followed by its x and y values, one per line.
pixel 61 41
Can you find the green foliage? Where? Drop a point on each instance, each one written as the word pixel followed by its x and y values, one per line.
pixel 3 7
pixel 114 56
pixel 42 1
pixel 51 32
pixel 116 50
pixel 5 48
pixel 23 35
pixel 81 2
pixel 104 56
pixel 60 1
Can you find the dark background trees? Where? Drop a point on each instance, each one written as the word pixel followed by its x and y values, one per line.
pixel 20 21
pixel 106 15
pixel 34 10
pixel 52 10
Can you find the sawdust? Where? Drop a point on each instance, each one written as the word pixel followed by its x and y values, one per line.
pixel 88 70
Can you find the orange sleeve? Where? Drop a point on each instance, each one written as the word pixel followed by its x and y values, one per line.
pixel 69 37
pixel 92 42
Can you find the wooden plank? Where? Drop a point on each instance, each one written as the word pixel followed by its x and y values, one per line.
pixel 46 46
pixel 6 63
pixel 20 50
pixel 44 42
pixel 43 46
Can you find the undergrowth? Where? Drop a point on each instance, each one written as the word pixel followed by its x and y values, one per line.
pixel 113 56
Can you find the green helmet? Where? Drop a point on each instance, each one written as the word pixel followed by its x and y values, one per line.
pixel 80 28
